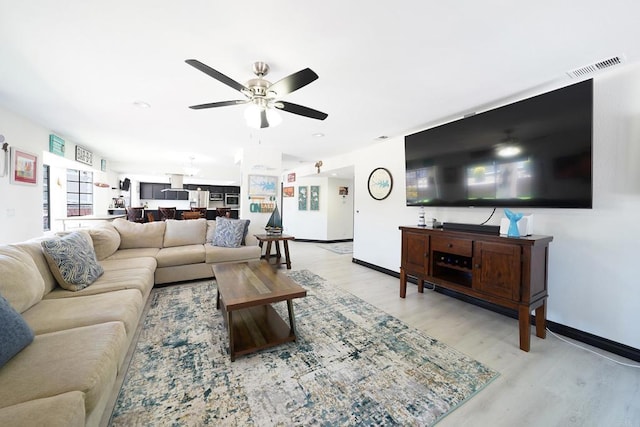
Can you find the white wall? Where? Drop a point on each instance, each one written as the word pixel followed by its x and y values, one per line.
pixel 339 209
pixel 593 277
pixel 333 220
pixel 21 205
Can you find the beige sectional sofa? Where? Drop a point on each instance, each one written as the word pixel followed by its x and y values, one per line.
pixel 65 376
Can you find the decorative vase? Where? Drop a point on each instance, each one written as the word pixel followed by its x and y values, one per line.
pixel 513 223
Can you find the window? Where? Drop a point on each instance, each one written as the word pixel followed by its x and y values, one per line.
pixel 46 210
pixel 79 192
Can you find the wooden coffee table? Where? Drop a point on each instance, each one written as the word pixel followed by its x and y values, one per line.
pixel 245 294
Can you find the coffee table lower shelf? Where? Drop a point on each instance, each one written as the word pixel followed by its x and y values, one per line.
pixel 257 328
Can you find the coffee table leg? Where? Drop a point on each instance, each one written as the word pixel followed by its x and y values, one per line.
pixel 267 254
pixel 218 300
pixel 278 254
pixel 232 353
pixel 285 243
pixel 292 321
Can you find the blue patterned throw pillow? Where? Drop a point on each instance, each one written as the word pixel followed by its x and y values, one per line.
pixel 230 233
pixel 15 334
pixel 72 260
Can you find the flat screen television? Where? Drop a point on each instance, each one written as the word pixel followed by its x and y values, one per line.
pixel 532 153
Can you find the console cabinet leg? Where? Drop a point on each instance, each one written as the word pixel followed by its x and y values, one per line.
pixel 524 320
pixel 403 283
pixel 421 286
pixel 541 320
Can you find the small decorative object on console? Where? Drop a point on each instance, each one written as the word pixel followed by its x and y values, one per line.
pixel 513 223
pixel 421 222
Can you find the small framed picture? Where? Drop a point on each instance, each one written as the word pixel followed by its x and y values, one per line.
pixel 103 165
pixel 84 156
pixel 24 167
pixel 288 191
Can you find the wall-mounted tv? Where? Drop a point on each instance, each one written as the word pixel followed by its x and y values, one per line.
pixel 533 153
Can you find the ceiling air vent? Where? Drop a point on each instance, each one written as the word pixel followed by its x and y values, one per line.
pixel 597 66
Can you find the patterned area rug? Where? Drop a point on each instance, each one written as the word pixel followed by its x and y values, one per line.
pixel 352 365
pixel 339 248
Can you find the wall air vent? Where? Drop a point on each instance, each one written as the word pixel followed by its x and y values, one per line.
pixel 597 66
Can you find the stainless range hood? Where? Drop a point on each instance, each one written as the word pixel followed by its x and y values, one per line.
pixel 176 183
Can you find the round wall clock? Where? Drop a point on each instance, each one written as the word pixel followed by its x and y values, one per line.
pixel 380 183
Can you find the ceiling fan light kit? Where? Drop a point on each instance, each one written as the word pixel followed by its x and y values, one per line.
pixel 262 96
pixel 257 117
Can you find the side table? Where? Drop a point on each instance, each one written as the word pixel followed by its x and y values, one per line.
pixel 277 238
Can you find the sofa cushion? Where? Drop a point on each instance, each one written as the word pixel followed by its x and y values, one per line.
pixel 72 260
pixel 106 240
pixel 63 410
pixel 21 283
pixel 180 255
pixel 84 359
pixel 129 263
pixel 181 233
pixel 51 315
pixel 216 254
pixel 136 235
pixel 34 248
pixel 112 280
pixel 230 233
pixel 15 334
pixel 134 253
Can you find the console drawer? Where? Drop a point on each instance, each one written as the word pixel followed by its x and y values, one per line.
pixel 452 246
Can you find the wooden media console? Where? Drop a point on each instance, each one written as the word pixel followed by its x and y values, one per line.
pixel 506 271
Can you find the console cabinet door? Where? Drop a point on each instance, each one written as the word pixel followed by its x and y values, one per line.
pixel 497 269
pixel 415 253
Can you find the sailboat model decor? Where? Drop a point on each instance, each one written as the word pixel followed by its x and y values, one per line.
pixel 274 225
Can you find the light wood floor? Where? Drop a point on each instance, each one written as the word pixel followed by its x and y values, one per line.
pixel 555 384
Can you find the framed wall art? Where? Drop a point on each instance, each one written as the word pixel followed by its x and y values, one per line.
pixel 24 167
pixel 84 156
pixel 262 185
pixel 56 145
pixel 314 198
pixel 302 198
pixel 288 191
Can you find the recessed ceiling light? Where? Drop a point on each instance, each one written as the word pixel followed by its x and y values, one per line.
pixel 142 104
pixel 318 135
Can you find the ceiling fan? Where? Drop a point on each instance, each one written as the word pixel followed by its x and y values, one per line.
pixel 261 95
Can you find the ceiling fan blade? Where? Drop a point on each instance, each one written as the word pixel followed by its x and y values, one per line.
pixel 217 75
pixel 218 104
pixel 293 82
pixel 300 110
